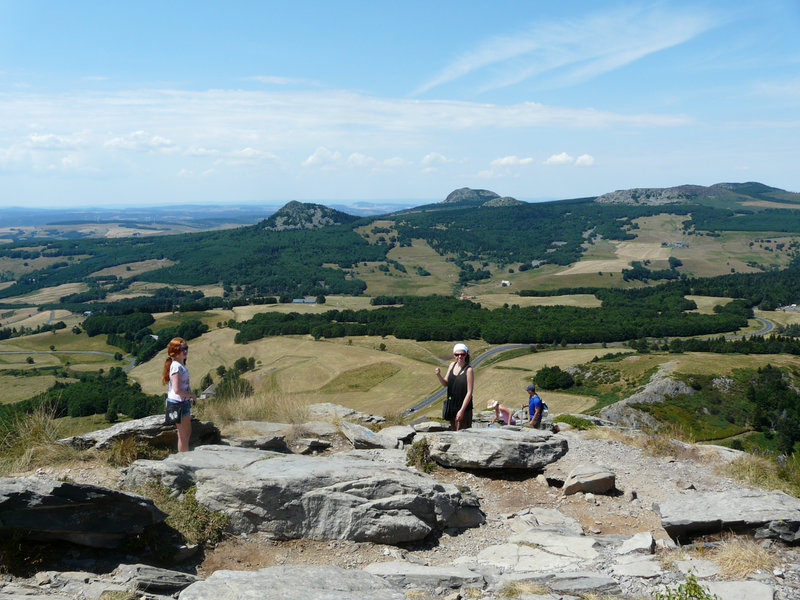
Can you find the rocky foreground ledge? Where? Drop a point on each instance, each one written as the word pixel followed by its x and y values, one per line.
pixel 414 535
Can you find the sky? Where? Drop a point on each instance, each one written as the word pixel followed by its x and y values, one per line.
pixel 157 103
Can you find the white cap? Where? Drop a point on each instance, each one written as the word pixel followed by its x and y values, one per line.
pixel 492 404
pixel 460 348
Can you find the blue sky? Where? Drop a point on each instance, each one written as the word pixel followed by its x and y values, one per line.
pixel 131 103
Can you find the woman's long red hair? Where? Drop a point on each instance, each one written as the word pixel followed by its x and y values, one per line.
pixel 173 350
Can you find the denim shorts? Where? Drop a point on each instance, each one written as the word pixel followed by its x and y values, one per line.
pixel 185 408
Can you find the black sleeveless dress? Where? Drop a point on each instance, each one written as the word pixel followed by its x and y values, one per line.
pixel 456 392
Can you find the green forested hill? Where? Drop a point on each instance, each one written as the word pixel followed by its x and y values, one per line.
pixel 257 260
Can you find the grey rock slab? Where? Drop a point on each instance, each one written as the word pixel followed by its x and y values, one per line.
pixel 321 429
pixel 515 558
pixel 496 448
pixel 430 426
pixel 329 411
pixel 153 579
pixel 363 437
pixel 637 566
pixel 697 567
pixel 149 430
pixel 740 590
pixel 405 574
pixel 546 519
pixel 582 582
pixel 692 514
pixel 293 583
pixel 402 433
pixel 589 478
pixel 332 497
pixel 582 547
pixel 83 514
pixel 640 542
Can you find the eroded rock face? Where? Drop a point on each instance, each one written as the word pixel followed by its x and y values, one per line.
pixel 321 498
pixel 496 448
pixel 88 515
pixel 767 514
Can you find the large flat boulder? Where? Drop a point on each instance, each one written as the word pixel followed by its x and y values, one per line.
pixel 94 516
pixel 150 430
pixel 496 448
pixel 308 582
pixel 333 497
pixel 767 514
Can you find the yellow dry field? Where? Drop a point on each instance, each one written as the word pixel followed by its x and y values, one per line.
pixel 32 318
pixel 491 301
pixel 780 317
pixel 706 304
pixel 5 284
pixel 312 371
pixel 19 266
pixel 506 381
pixel 48 295
pixel 17 317
pixel 244 313
pixel 63 339
pixel 16 389
pixel 135 268
pixel 626 253
pixel 767 204
pixel 443 275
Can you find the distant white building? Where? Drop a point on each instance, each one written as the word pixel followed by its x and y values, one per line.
pixel 505 283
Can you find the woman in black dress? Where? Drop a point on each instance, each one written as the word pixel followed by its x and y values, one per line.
pixel 459 383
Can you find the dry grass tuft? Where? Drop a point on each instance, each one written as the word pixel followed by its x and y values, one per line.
pixel 738 557
pixel 29 441
pixel 263 405
pixel 125 450
pixel 766 472
pixel 515 589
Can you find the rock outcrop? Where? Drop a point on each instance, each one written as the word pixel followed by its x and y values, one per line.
pixel 323 498
pixel 496 448
pixel 87 515
pixel 765 514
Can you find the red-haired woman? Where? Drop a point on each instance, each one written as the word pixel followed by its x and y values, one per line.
pixel 179 393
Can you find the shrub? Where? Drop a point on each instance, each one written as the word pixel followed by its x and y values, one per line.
pixel 196 523
pixel 576 422
pixel 689 590
pixel 418 455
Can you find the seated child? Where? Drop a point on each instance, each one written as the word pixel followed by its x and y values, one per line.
pixel 501 413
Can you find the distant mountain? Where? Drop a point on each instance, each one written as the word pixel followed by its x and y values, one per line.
pixel 300 215
pixel 751 194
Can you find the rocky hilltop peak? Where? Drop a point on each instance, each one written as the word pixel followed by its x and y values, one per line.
pixel 720 194
pixel 504 201
pixel 463 195
pixel 479 197
pixel 653 196
pixel 305 215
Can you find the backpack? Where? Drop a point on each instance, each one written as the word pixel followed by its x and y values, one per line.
pixel 545 409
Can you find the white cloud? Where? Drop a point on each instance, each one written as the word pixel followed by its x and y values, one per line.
pixel 559 159
pixel 585 160
pixel 356 159
pixel 434 158
pixel 322 157
pixel 50 141
pixel 509 161
pixel 141 141
pixel 576 50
